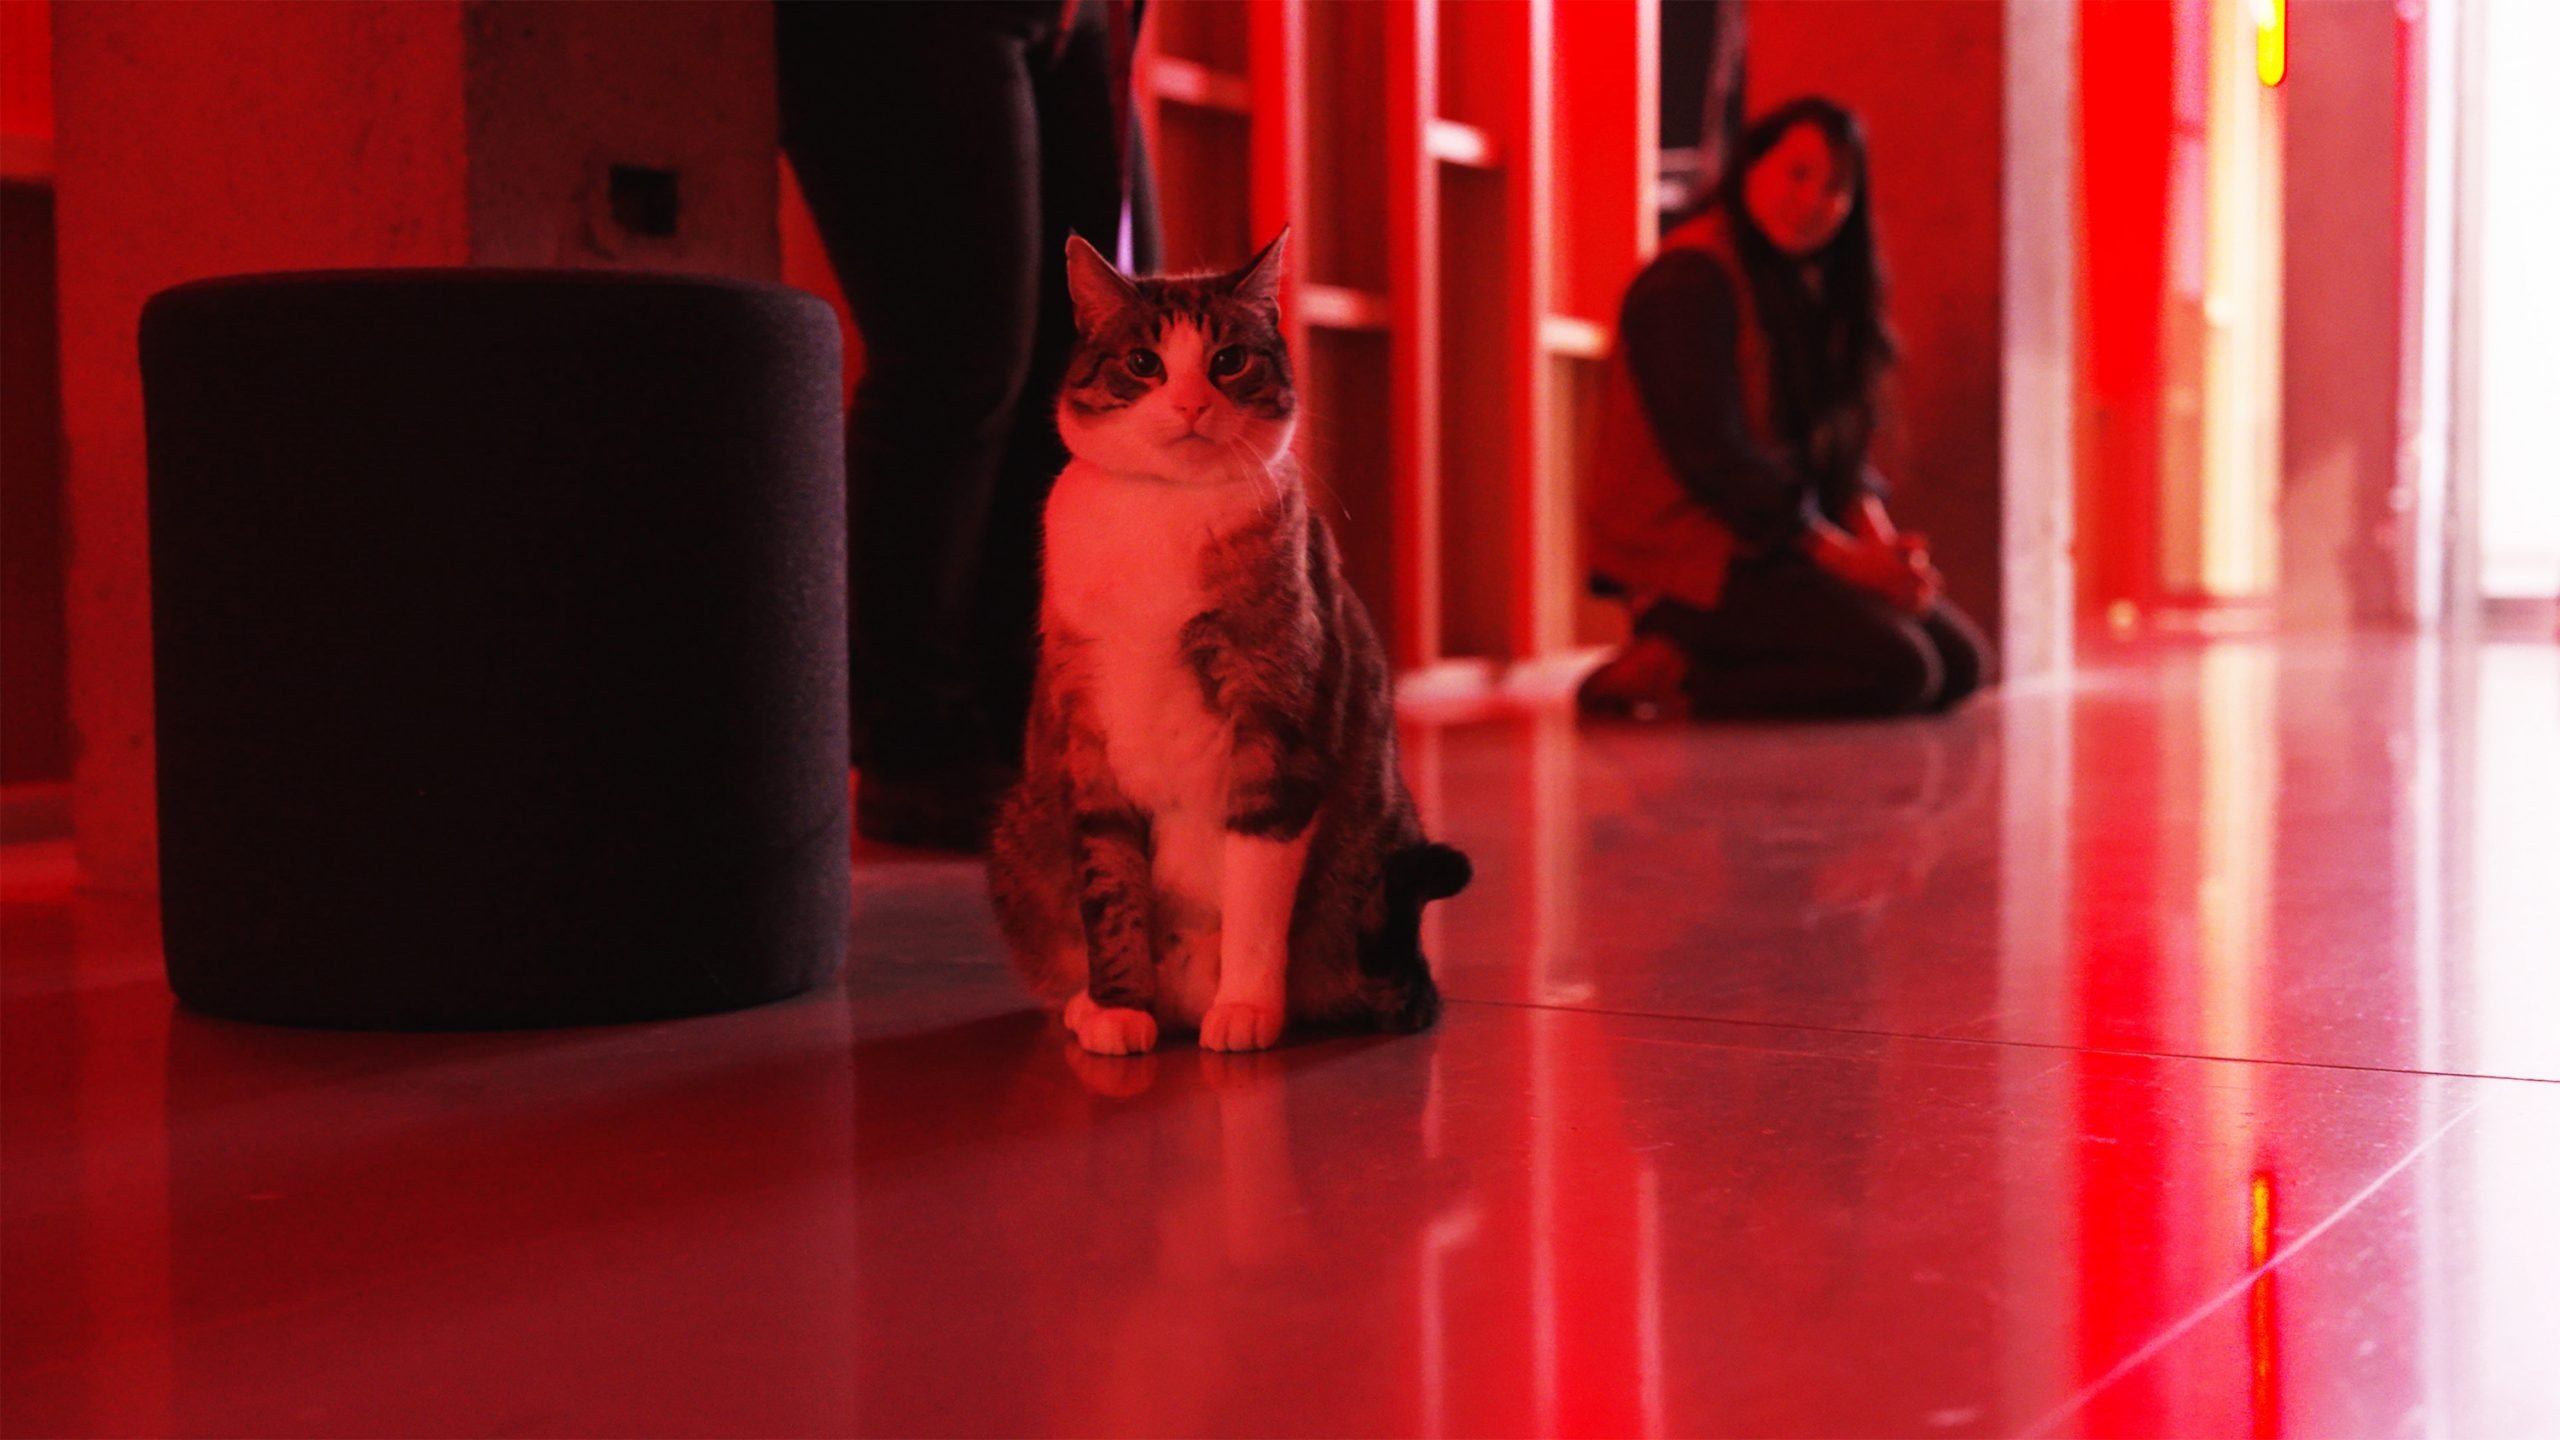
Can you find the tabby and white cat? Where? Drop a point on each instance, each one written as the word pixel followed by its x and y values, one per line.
pixel 1211 830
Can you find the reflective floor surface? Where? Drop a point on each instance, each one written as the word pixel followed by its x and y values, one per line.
pixel 2174 1052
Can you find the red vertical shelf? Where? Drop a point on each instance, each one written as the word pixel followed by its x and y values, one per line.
pixel 1469 186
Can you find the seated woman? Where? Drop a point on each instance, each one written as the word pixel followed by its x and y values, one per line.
pixel 1731 503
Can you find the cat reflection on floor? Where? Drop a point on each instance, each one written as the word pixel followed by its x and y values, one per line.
pixel 1211 832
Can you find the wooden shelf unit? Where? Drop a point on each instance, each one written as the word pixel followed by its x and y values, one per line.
pixel 1453 277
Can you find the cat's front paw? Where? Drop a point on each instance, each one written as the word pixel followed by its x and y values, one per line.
pixel 1112 1030
pixel 1240 1025
pixel 1114 1077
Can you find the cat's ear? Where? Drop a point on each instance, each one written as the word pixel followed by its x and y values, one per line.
pixel 1260 281
pixel 1100 290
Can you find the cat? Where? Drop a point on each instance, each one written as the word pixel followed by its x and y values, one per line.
pixel 1211 831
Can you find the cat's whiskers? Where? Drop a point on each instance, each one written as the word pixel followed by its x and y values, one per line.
pixel 1266 485
pixel 1310 472
pixel 1240 464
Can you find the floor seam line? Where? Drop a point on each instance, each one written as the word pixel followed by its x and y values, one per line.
pixel 2047 1045
pixel 2239 1287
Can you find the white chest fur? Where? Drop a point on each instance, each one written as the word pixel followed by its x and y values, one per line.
pixel 1122 572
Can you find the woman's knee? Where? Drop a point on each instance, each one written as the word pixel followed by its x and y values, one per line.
pixel 1907 670
pixel 1963 668
pixel 1963 655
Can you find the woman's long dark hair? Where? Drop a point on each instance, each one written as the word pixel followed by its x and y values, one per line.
pixel 1828 341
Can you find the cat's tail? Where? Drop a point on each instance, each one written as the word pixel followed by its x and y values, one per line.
pixel 1428 871
pixel 1415 876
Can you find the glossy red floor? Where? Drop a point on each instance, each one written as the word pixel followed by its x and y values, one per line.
pixel 2175 1052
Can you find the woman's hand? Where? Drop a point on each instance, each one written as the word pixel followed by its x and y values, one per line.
pixel 1915 553
pixel 1869 520
pixel 1897 569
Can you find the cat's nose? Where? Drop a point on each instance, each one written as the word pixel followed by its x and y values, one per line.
pixel 1191 413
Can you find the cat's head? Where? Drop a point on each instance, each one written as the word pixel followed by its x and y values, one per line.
pixel 1183 378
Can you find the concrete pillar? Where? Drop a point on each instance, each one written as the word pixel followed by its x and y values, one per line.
pixel 1970 108
pixel 196 140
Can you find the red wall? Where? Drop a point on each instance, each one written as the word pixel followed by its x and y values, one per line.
pixel 2346 553
pixel 26 67
pixel 2125 75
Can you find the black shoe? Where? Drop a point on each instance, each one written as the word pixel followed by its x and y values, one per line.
pixel 1645 680
pixel 947 810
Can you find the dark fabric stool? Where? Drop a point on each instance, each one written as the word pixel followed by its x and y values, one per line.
pixel 499 637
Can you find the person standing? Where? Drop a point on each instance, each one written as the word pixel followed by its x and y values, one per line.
pixel 946 151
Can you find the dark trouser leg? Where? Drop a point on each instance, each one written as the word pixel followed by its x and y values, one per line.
pixel 915 136
pixel 1788 639
pixel 1079 191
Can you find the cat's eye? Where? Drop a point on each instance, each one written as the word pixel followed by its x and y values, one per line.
pixel 1143 363
pixel 1229 361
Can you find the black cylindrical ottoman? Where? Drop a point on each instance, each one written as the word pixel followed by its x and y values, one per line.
pixel 499 637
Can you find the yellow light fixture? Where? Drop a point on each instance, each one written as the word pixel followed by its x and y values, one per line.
pixel 2271 37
